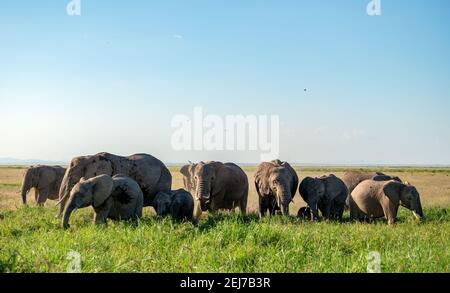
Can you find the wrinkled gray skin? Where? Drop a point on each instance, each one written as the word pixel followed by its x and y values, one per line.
pixel 376 199
pixel 276 183
pixel 151 174
pixel 116 198
pixel 178 204
pixel 46 181
pixel 353 178
pixel 327 194
pixel 188 177
pixel 221 186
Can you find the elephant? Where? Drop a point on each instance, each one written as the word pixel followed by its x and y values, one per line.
pixel 46 181
pixel 188 176
pixel 304 213
pixel 221 186
pixel 375 199
pixel 149 172
pixel 179 204
pixel 327 194
pixel 276 183
pixel 353 178
pixel 116 198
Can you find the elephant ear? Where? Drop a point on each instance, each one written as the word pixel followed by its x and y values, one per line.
pixel 392 190
pixel 185 170
pixel 102 188
pixel 294 179
pixel 261 180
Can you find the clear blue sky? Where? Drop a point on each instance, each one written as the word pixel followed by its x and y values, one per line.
pixel 112 78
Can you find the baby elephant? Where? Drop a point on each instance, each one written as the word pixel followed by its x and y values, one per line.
pixel 375 199
pixel 116 198
pixel 304 213
pixel 178 204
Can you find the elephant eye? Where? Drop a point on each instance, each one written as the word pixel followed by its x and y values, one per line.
pixel 212 178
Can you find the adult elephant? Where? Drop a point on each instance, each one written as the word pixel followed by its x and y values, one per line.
pixel 150 173
pixel 276 183
pixel 221 186
pixel 353 178
pixel 46 181
pixel 375 199
pixel 327 194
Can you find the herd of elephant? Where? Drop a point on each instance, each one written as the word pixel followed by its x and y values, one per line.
pixel 119 187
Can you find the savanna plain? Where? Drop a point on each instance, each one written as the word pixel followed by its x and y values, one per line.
pixel 31 239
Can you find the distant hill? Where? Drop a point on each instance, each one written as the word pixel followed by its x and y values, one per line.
pixel 28 162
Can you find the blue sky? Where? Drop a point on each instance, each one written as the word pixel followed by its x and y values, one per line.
pixel 113 78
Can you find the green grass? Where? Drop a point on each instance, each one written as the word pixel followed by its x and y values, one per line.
pixel 32 241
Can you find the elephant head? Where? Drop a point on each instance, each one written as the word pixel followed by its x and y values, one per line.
pixel 162 203
pixel 410 199
pixel 278 184
pixel 205 177
pixel 82 167
pixel 407 196
pixel 312 191
pixel 30 180
pixel 93 192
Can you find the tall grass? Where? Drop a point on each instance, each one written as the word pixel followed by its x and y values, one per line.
pixel 31 240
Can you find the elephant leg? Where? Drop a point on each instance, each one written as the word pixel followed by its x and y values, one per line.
pixel 390 212
pixel 314 210
pixel 101 216
pixel 272 208
pixel 262 207
pixel 43 195
pixel 36 194
pixel 243 204
pixel 354 210
pixel 102 212
pixel 327 209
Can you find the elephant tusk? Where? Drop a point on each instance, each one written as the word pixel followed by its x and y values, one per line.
pixel 61 200
pixel 417 216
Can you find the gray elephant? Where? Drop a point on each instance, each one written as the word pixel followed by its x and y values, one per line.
pixel 353 178
pixel 327 194
pixel 375 199
pixel 276 183
pixel 46 181
pixel 116 198
pixel 188 176
pixel 221 186
pixel 151 174
pixel 179 204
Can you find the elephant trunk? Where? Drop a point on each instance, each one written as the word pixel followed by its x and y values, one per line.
pixel 417 209
pixel 284 198
pixel 64 190
pixel 26 186
pixel 70 208
pixel 204 194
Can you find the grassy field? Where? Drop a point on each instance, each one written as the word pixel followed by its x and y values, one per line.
pixel 31 239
